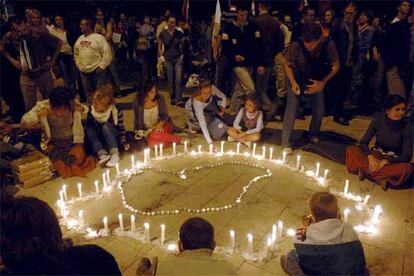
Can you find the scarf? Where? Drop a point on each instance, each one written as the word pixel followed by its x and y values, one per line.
pixel 103 117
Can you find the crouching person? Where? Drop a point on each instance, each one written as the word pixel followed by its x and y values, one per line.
pixel 327 245
pixel 60 118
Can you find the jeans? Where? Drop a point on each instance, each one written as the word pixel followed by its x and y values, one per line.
pixel 103 133
pixel 244 86
pixel 262 85
pixel 318 110
pixel 92 81
pixel 69 71
pixel 175 77
pixel 44 82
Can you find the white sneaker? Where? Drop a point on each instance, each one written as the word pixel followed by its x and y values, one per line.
pixel 103 158
pixel 113 161
pixel 230 139
pixel 288 150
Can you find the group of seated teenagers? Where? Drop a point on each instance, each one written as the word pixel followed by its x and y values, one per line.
pixel 32 243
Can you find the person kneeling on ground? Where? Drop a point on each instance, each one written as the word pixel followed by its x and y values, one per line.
pixel 104 125
pixel 388 161
pixel 61 120
pixel 32 243
pixel 205 111
pixel 327 246
pixel 248 123
pixel 196 246
pixel 151 118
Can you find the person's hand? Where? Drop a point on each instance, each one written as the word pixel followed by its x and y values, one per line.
pixel 295 88
pixel 373 164
pixel 260 70
pixel 239 58
pixel 316 87
pixel 126 146
pixel 301 234
pixel 158 129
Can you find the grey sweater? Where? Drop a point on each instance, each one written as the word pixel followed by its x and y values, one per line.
pixel 139 113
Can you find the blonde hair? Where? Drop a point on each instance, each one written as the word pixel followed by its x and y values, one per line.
pixel 324 205
pixel 104 94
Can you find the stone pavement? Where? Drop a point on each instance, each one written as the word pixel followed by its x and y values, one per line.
pixel 283 196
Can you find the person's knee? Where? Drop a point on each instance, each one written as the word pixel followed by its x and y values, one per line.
pixel 107 128
pixel 78 152
pixel 405 168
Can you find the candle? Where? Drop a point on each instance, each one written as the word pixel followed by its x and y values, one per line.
pixel 232 240
pixel 271 154
pixel 199 149
pixel 346 213
pixel 274 233
pixel 149 154
pixel 145 157
pixel 80 219
pixel 377 213
pixel 325 174
pixel 61 196
pixel 162 234
pixel 185 147
pixel 104 180
pixel 161 150
pixel 65 194
pixel 117 169
pixel 80 189
pixel 105 222
pixel 210 148
pixel 108 179
pixel 174 149
pixel 317 169
pixel 291 232
pixel 96 186
pixel 346 187
pixel 132 223
pixel 268 248
pixel 156 151
pixel 222 147
pixel 298 162
pixel 263 152
pixel 238 148
pixel 284 157
pixel 61 206
pixel 132 162
pixel 250 245
pixel 280 228
pixel 146 227
pixel 365 202
pixel 254 149
pixel 121 222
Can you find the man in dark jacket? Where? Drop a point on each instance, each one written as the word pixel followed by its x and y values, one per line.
pixel 242 43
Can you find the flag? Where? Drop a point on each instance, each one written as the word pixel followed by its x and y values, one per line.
pixel 253 8
pixel 186 9
pixel 216 29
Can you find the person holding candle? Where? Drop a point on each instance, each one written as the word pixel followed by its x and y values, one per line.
pixel 60 118
pixel 105 126
pixel 205 110
pixel 32 243
pixel 326 245
pixel 388 161
pixel 195 257
pixel 248 123
pixel 151 118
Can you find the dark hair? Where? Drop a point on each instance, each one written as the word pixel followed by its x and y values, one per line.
pixel 145 89
pixel 62 97
pixel 324 205
pixel 307 9
pixel 197 233
pixel 368 14
pixel 311 32
pixel 29 227
pixel 172 16
pixel 393 100
pixel 243 6
pixel 88 18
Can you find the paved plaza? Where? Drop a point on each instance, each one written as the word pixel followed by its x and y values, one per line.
pixel 283 196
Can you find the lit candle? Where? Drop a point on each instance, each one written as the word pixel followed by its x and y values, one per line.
pixel 325 174
pixel 280 228
pixel 105 222
pixel 346 213
pixel 132 162
pixel 104 180
pixel 146 227
pixel 145 157
pixel 185 147
pixel 274 233
pixel 232 240
pixel 317 169
pixel 162 234
pixel 132 223
pixel 199 149
pixel 377 213
pixel 250 245
pixel 61 206
pixel 291 232
pixel 268 248
pixel 61 196
pixel 263 152
pixel 121 222
pixel 238 148
pixel 284 157
pixel 161 150
pixel 365 202
pixel 210 148
pixel 271 154
pixel 222 147
pixel 174 148
pixel 108 179
pixel 254 149
pixel 80 219
pixel 346 187
pixel 96 186
pixel 149 154
pixel 298 162
pixel 65 194
pixel 156 151
pixel 80 189
pixel 117 169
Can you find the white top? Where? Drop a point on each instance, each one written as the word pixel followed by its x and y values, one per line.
pixel 66 48
pixel 287 34
pixel 92 51
pixel 259 123
pixel 151 116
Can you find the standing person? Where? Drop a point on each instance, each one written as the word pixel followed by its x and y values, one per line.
pixel 308 17
pixel 170 44
pixel 273 44
pixel 38 52
pixel 388 161
pixel 310 63
pixel 396 50
pixel 242 43
pixel 131 33
pixel 92 57
pixel 146 48
pixel 65 58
